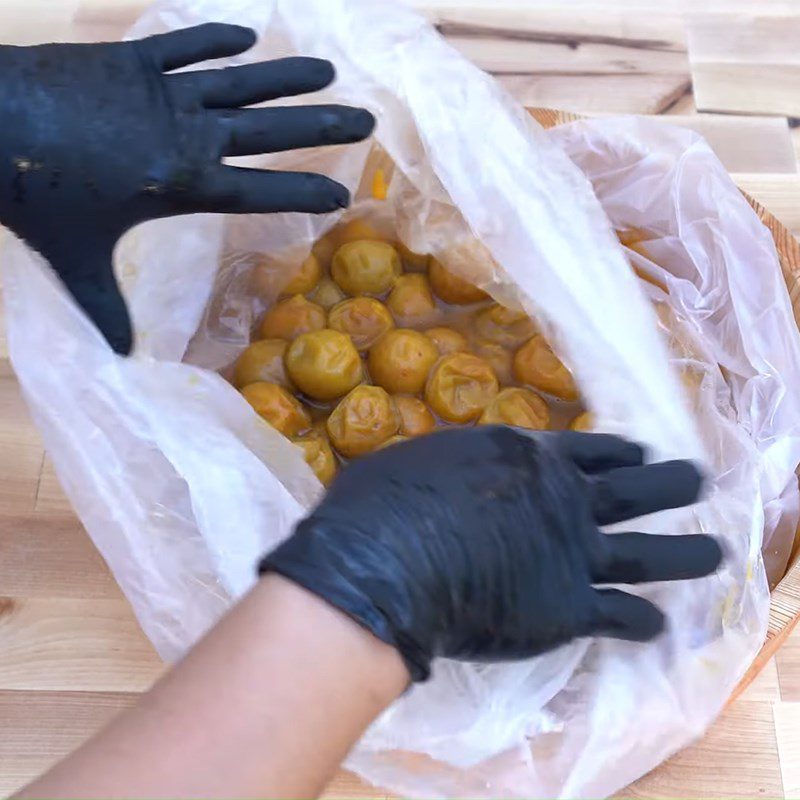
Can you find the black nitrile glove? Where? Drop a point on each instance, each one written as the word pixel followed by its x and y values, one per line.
pixel 482 544
pixel 95 138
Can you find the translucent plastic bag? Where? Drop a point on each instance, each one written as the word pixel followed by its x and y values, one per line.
pixel 181 486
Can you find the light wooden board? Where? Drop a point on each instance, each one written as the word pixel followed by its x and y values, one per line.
pixel 40 728
pixel 745 738
pixel 617 93
pixel 787 736
pixel 779 193
pixel 580 55
pixel 69 644
pixel 751 145
pixel 746 62
pixel 19 476
pixel 41 555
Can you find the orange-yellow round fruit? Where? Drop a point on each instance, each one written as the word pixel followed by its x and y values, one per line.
pixel 363 421
pixel 401 360
pixel 327 294
pixel 583 422
pixel 274 404
pixel 451 288
pixel 363 319
pixel 413 262
pixel 262 361
pixel 447 340
pixel 535 364
pixel 305 279
pixel 460 387
pixel 352 231
pixel 366 267
pixel 497 324
pixel 289 318
pixel 500 359
pixel 415 417
pixel 324 248
pixel 519 407
pixel 411 300
pixel 324 364
pixel 355 230
pixel 318 454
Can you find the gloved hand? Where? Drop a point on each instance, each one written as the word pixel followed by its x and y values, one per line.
pixel 482 544
pixel 96 138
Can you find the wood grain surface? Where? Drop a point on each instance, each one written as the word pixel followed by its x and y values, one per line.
pixel 71 653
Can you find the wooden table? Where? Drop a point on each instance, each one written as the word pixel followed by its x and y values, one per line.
pixel 71 653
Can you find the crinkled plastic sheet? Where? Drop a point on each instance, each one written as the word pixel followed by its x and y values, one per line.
pixel 182 487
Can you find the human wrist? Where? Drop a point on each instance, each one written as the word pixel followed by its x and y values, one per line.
pixel 363 583
pixel 365 663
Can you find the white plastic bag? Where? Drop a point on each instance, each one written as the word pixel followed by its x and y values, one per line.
pixel 181 486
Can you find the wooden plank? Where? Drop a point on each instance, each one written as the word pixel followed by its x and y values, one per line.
pixel 50 498
pixel 738 757
pixel 579 60
pixel 783 617
pixel 631 7
pixel 581 34
pixel 44 20
pixel 616 94
pixel 3 338
pixel 787 734
pixel 683 105
pixel 51 557
pixel 745 62
pixel 765 687
pixel 744 144
pixel 745 88
pixel 23 22
pixel 754 37
pixel 346 785
pixel 558 45
pixel 40 728
pixel 108 12
pixel 64 644
pixel 23 453
pixel 795 134
pixel 779 193
pixel 787 661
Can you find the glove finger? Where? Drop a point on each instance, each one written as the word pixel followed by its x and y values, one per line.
pixel 199 43
pixel 101 299
pixel 271 130
pixel 643 557
pixel 235 190
pixel 256 83
pixel 598 452
pixel 629 492
pixel 624 616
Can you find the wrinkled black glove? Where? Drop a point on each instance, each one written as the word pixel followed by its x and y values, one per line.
pixel 482 544
pixel 95 138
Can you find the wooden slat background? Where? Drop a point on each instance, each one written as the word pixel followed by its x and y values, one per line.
pixel 71 653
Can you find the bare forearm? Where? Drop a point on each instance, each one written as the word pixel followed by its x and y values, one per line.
pixel 268 704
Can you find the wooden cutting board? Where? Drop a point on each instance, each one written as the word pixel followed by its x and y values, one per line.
pixel 71 653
